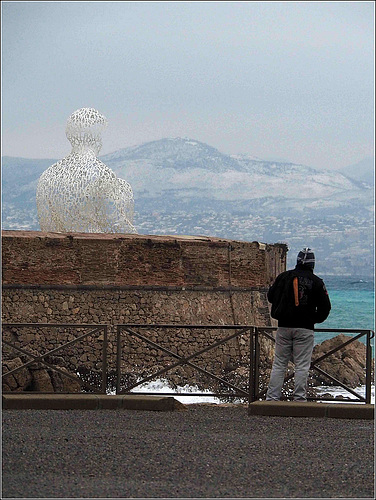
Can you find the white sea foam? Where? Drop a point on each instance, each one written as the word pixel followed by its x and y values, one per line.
pixel 339 391
pixel 162 386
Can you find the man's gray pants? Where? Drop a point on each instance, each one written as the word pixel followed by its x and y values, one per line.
pixel 291 344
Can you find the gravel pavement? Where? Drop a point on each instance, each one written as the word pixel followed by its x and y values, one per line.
pixel 205 452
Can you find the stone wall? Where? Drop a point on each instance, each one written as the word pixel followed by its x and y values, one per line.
pixel 53 278
pixel 32 257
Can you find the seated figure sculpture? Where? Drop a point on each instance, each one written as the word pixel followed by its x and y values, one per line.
pixel 80 193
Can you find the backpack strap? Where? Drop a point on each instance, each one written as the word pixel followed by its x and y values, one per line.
pixel 295 283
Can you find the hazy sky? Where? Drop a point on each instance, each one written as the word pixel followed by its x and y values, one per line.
pixel 287 80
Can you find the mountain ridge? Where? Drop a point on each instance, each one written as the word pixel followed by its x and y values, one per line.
pixel 243 162
pixel 364 170
pixel 180 168
pixel 183 164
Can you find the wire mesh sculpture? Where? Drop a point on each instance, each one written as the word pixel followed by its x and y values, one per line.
pixel 80 193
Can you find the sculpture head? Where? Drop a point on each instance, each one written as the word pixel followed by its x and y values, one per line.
pixel 84 129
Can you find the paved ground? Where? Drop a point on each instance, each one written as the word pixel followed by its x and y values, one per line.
pixel 205 452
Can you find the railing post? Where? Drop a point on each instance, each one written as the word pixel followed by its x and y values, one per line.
pixel 368 367
pixel 118 359
pixel 257 364
pixel 104 360
pixel 251 386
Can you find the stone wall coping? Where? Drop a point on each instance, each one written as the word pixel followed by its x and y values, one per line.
pixel 168 262
pixel 140 237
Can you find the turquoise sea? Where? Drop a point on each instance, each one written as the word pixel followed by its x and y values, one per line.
pixel 353 305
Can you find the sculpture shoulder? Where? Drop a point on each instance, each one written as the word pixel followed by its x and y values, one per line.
pixel 74 164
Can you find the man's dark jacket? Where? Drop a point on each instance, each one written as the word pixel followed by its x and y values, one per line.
pixel 314 303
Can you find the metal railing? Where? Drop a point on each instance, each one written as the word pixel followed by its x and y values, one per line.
pixel 94 330
pixel 129 329
pixel 253 333
pixel 255 393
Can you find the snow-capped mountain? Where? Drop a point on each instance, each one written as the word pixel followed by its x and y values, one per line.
pixel 176 153
pixel 363 171
pixel 184 168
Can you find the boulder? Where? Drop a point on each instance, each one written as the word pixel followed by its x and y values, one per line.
pixel 37 377
pixel 348 365
pixel 64 384
pixel 19 381
pixel 41 381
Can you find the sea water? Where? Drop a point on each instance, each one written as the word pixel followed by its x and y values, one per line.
pixel 353 305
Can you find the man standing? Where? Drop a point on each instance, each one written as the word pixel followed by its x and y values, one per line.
pixel 299 300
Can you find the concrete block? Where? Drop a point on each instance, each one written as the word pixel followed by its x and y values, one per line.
pixel 311 409
pixel 89 402
pixel 153 403
pixel 357 411
pixel 286 409
pixel 49 402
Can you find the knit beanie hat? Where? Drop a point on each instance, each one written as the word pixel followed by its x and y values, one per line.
pixel 306 257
